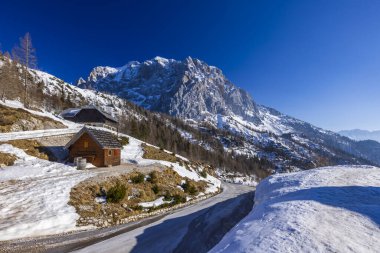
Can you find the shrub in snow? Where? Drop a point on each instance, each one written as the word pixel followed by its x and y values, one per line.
pixel 152 177
pixel 189 188
pixel 137 208
pixel 155 189
pixel 203 173
pixel 124 140
pixel 116 193
pixel 167 197
pixel 138 178
pixel 177 199
pixel 6 159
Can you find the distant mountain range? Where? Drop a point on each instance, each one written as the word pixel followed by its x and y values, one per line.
pixel 361 135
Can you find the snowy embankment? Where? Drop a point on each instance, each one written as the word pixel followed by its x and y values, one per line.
pixel 36 134
pixel 34 196
pixel 18 105
pixel 72 127
pixel 331 209
pixel 133 153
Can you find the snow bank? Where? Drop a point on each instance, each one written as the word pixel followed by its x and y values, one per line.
pixel 34 196
pixel 133 153
pixel 37 133
pixel 331 209
pixel 154 203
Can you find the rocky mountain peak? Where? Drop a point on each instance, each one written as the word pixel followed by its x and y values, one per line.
pixel 100 72
pixel 80 81
pixel 189 89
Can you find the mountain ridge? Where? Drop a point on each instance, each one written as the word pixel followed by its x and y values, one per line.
pixel 201 94
pixel 361 135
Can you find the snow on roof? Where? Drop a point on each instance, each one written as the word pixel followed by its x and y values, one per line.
pixel 71 112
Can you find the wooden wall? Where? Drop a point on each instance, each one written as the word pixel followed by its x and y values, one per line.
pixel 93 153
pixel 113 159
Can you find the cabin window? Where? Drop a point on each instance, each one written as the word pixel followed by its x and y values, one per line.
pixel 86 144
pixel 110 152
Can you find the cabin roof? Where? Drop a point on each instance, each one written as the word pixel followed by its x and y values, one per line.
pixel 105 139
pixel 72 112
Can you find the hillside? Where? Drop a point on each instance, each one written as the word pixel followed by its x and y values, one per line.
pixel 53 95
pixel 18 119
pixel 225 127
pixel 332 209
pixel 203 97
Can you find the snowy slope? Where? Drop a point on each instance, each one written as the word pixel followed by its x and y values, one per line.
pixel 331 209
pixel 34 193
pixel 34 196
pixel 43 113
pixel 133 153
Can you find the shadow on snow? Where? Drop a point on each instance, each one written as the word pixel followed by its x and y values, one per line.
pixel 199 232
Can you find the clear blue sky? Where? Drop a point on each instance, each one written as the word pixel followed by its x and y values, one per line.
pixel 317 60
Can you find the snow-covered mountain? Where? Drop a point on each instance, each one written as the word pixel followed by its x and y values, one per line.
pixel 202 95
pixel 188 89
pixel 217 114
pixel 51 94
pixel 361 135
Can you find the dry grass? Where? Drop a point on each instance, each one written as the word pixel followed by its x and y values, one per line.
pixel 7 159
pixel 31 147
pixel 10 117
pixel 157 154
pixel 157 184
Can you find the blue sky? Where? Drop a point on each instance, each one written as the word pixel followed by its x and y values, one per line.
pixel 317 60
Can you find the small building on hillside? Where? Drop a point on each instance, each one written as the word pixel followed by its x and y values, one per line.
pixel 92 116
pixel 101 148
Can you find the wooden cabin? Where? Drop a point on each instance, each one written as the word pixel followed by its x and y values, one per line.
pixel 91 116
pixel 101 148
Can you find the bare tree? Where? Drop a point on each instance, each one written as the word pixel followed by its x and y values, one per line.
pixel 10 86
pixel 25 54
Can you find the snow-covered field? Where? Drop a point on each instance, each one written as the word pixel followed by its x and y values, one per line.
pixel 331 209
pixel 34 196
pixel 133 153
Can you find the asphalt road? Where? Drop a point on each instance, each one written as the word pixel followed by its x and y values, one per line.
pixel 194 229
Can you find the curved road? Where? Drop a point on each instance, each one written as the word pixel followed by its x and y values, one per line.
pixel 196 228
